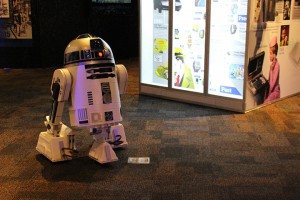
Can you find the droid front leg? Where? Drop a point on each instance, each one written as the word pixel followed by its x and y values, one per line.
pixel 101 150
pixel 57 147
pixel 57 143
pixel 105 139
pixel 116 137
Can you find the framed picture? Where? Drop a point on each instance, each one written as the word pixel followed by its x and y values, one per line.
pixel 15 23
pixel 4 9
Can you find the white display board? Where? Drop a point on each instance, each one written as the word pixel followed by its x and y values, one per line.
pixel 189 20
pixel 228 25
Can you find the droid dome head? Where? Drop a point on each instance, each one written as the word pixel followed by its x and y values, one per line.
pixel 86 48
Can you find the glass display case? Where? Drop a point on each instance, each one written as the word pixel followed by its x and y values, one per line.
pixel 217 53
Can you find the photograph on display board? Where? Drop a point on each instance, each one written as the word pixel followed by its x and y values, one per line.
pixel 287 10
pixel 273 91
pixel 284 37
pixel 264 89
pixel 182 72
pixel 272 10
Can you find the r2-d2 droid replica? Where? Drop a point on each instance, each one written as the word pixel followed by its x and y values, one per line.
pixel 92 84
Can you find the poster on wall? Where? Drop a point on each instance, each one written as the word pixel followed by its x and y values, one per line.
pixel 227 48
pixel 15 23
pixel 189 20
pixel 274 56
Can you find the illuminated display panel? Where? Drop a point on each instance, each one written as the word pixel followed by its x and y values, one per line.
pixel 154 44
pixel 189 45
pixel 227 48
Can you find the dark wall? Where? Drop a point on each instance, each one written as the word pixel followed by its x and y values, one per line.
pixel 118 28
pixel 55 23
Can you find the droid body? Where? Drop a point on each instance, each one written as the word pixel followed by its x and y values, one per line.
pixel 91 83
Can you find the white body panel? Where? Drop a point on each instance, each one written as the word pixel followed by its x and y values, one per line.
pixel 90 104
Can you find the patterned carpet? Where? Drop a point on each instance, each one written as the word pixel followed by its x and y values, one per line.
pixel 195 152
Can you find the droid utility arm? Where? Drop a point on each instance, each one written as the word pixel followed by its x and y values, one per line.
pixel 60 89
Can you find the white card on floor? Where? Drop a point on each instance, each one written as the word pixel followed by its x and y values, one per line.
pixel 139 160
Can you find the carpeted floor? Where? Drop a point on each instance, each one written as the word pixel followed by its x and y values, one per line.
pixel 195 152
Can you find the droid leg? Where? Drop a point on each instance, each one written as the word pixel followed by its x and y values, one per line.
pixel 106 138
pixel 57 143
pixel 57 148
pixel 101 150
pixel 117 137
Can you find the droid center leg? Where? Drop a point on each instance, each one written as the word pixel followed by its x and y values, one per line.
pixel 117 137
pixel 101 150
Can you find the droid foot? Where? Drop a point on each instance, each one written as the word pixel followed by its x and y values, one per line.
pixel 102 152
pixel 51 147
pixel 57 148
